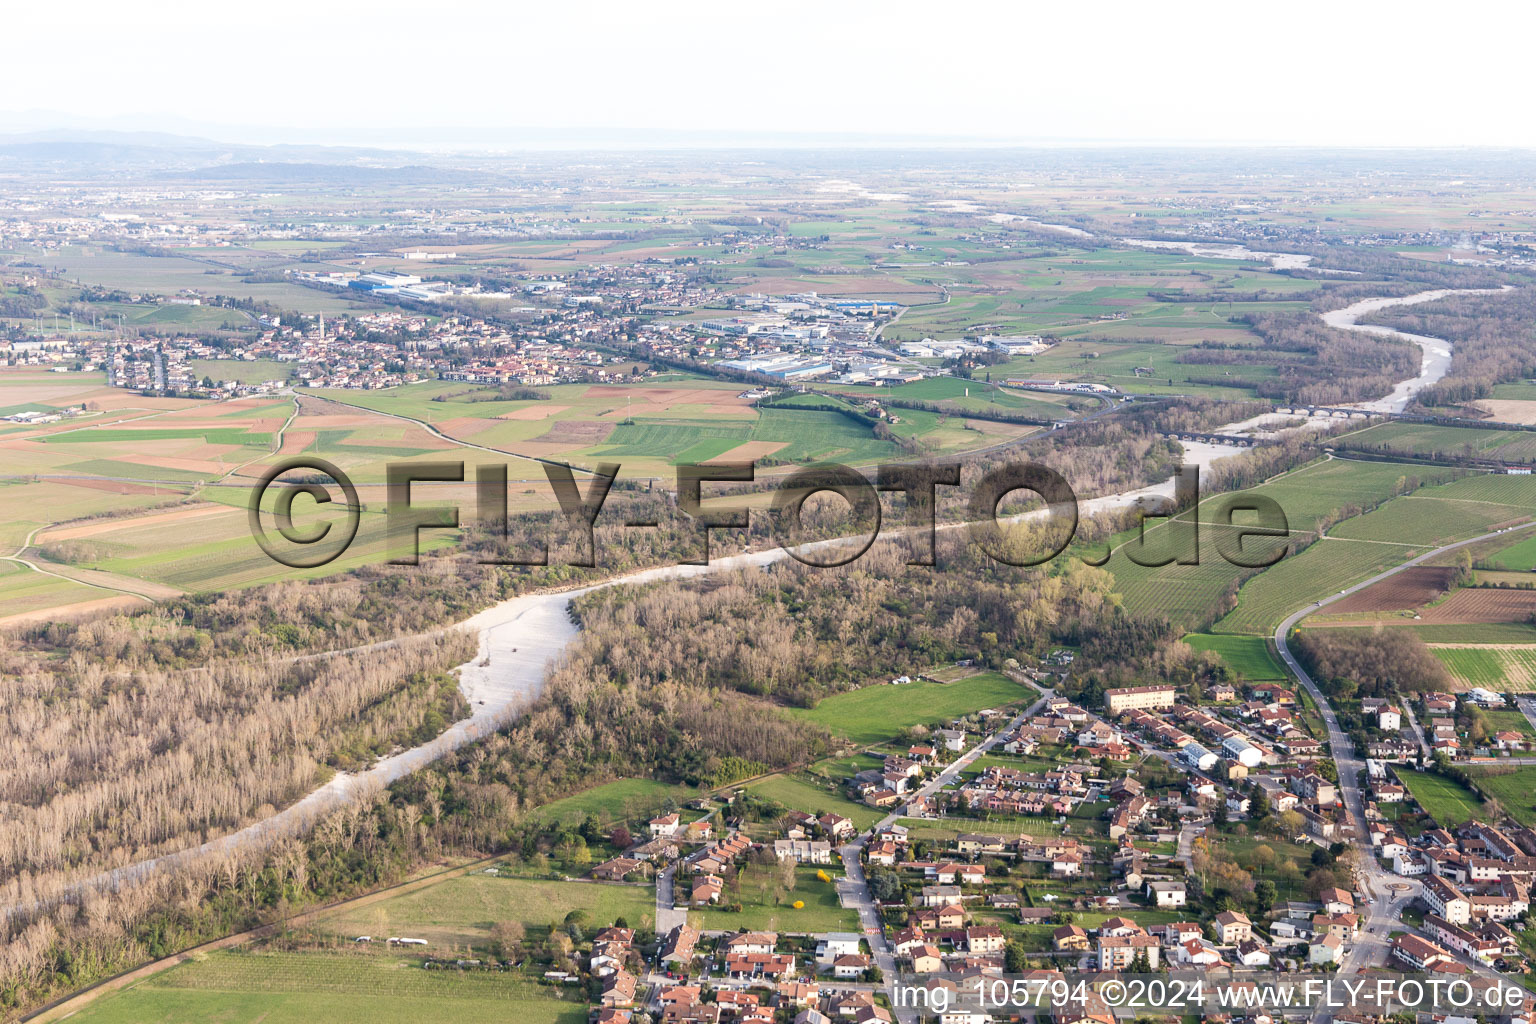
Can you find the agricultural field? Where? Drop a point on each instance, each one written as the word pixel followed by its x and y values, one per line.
pixel 460 911
pixel 1248 656
pixel 166 275
pixel 650 426
pixel 1517 557
pixel 1399 530
pixel 979 396
pixel 1447 801
pixel 1481 604
pixel 1446 442
pixel 1410 588
pixel 1428 519
pixel 1325 568
pixel 1517 391
pixel 1186 594
pixel 1474 633
pixel 245 371
pixel 1513 788
pixel 1501 668
pixel 246 987
pixel 767 902
pixel 875 713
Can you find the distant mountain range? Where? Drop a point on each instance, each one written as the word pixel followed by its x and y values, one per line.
pixel 93 154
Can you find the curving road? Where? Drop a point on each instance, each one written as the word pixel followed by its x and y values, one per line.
pixel 521 639
pixel 853 889
pixel 1377 923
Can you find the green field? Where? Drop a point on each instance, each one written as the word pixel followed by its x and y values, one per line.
pixel 1391 534
pixel 211 435
pixel 875 713
pixel 1513 788
pixel 766 905
pixel 799 794
pixel 1445 800
pixel 612 802
pixel 948 828
pixel 462 910
pixel 1446 442
pixel 240 987
pixel 1510 720
pixel 246 371
pixel 1287 871
pixel 1187 594
pixel 1428 519
pixel 1473 633
pixel 1323 569
pixel 1503 669
pixel 645 425
pixel 1518 557
pixel 1249 656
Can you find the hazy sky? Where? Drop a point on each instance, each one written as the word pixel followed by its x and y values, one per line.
pixel 384 72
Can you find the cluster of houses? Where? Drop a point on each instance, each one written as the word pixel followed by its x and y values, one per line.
pixel 1120 943
pixel 1063 723
pixel 803 1002
pixel 1004 790
pixel 1233 742
pixel 887 785
pixel 664 842
pixel 1305 790
pixel 1439 734
pixel 1477 878
pixel 1327 927
pixel 808 839
pixel 756 984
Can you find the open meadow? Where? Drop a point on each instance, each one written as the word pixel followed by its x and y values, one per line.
pixel 875 713
pixel 1248 656
pixel 1447 801
pixel 250 987
pixel 460 912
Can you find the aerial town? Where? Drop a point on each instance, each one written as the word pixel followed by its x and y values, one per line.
pixel 700 515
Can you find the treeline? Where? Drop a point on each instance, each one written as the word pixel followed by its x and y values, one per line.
pixel 1402 275
pixel 102 766
pixel 1215 296
pixel 496 393
pixel 1363 662
pixel 996 415
pixel 1320 364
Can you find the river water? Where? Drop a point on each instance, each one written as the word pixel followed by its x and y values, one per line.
pixel 522 639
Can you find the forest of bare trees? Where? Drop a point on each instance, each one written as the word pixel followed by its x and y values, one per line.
pixel 102 766
pixel 1370 662
pixel 213 709
pixel 1316 363
pixel 1493 336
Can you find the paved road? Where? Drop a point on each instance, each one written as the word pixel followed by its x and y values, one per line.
pixel 1381 916
pixel 1527 708
pixel 1418 730
pixel 668 916
pixel 854 889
